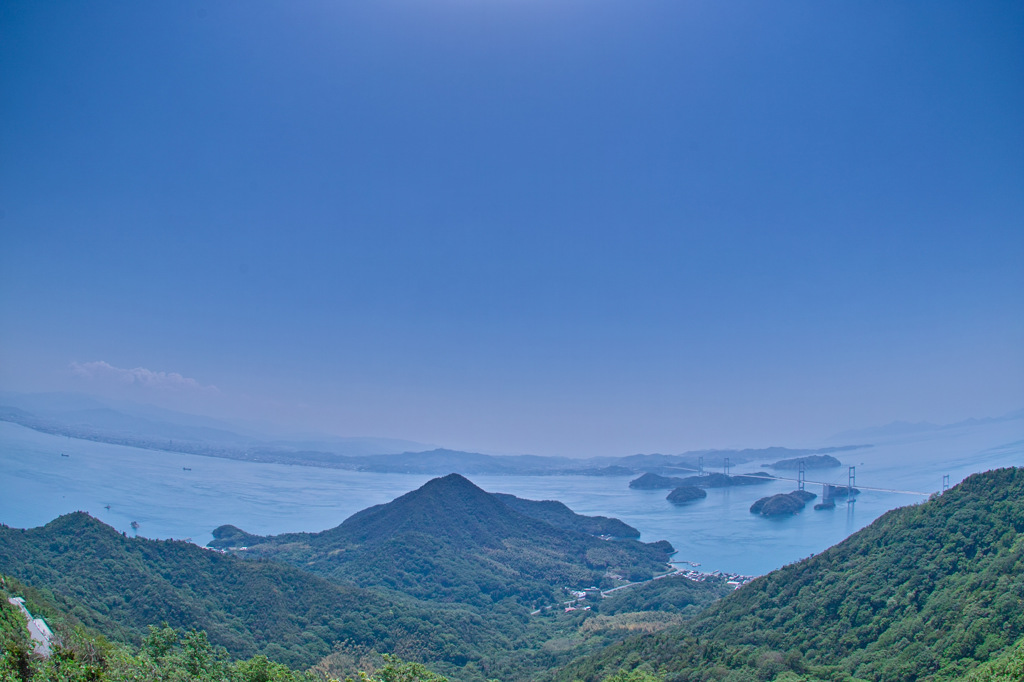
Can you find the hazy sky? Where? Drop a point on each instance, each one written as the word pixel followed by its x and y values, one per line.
pixel 547 226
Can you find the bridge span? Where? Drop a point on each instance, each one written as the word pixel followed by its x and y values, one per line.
pixel 838 485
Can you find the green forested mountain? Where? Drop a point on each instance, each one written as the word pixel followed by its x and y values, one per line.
pixel 451 541
pixel 926 592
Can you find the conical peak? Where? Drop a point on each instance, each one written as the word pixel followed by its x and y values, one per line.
pixel 75 521
pixel 453 487
pixel 450 482
pixel 449 506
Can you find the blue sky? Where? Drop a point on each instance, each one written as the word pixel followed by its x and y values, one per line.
pixel 518 226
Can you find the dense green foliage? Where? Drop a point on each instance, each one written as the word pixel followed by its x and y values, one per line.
pixel 169 655
pixel 15 645
pixel 543 643
pixel 451 541
pixel 925 593
pixel 1007 667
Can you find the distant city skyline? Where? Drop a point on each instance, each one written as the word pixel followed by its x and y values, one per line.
pixel 556 227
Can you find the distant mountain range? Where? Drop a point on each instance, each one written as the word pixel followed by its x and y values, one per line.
pixel 90 418
pixel 451 541
pixel 147 427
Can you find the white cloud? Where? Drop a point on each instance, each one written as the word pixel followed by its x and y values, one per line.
pixel 139 376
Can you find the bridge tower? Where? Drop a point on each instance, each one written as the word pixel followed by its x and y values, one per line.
pixel 945 482
pixel 726 466
pixel 801 477
pixel 700 465
pixel 850 499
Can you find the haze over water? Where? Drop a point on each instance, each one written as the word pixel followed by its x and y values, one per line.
pixel 168 501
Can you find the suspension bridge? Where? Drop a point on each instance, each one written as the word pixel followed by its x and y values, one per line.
pixel 839 484
pixel 801 480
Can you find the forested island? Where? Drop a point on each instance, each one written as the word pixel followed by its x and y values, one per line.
pixel 651 481
pixel 785 504
pixel 807 462
pixel 685 494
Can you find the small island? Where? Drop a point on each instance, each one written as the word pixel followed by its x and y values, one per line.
pixel 655 482
pixel 808 462
pixel 785 504
pixel 717 480
pixel 685 494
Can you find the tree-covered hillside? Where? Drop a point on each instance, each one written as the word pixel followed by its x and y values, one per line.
pixel 672 594
pixel 120 585
pixel 1007 667
pixel 164 654
pixel 185 655
pixel 926 592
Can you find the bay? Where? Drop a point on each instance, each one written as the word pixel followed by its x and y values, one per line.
pixel 181 496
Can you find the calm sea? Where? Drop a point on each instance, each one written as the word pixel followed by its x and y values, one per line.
pixel 154 489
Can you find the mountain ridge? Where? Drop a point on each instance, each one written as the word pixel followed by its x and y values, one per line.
pixel 144 426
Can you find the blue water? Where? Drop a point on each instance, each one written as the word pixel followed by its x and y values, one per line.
pixel 37 484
